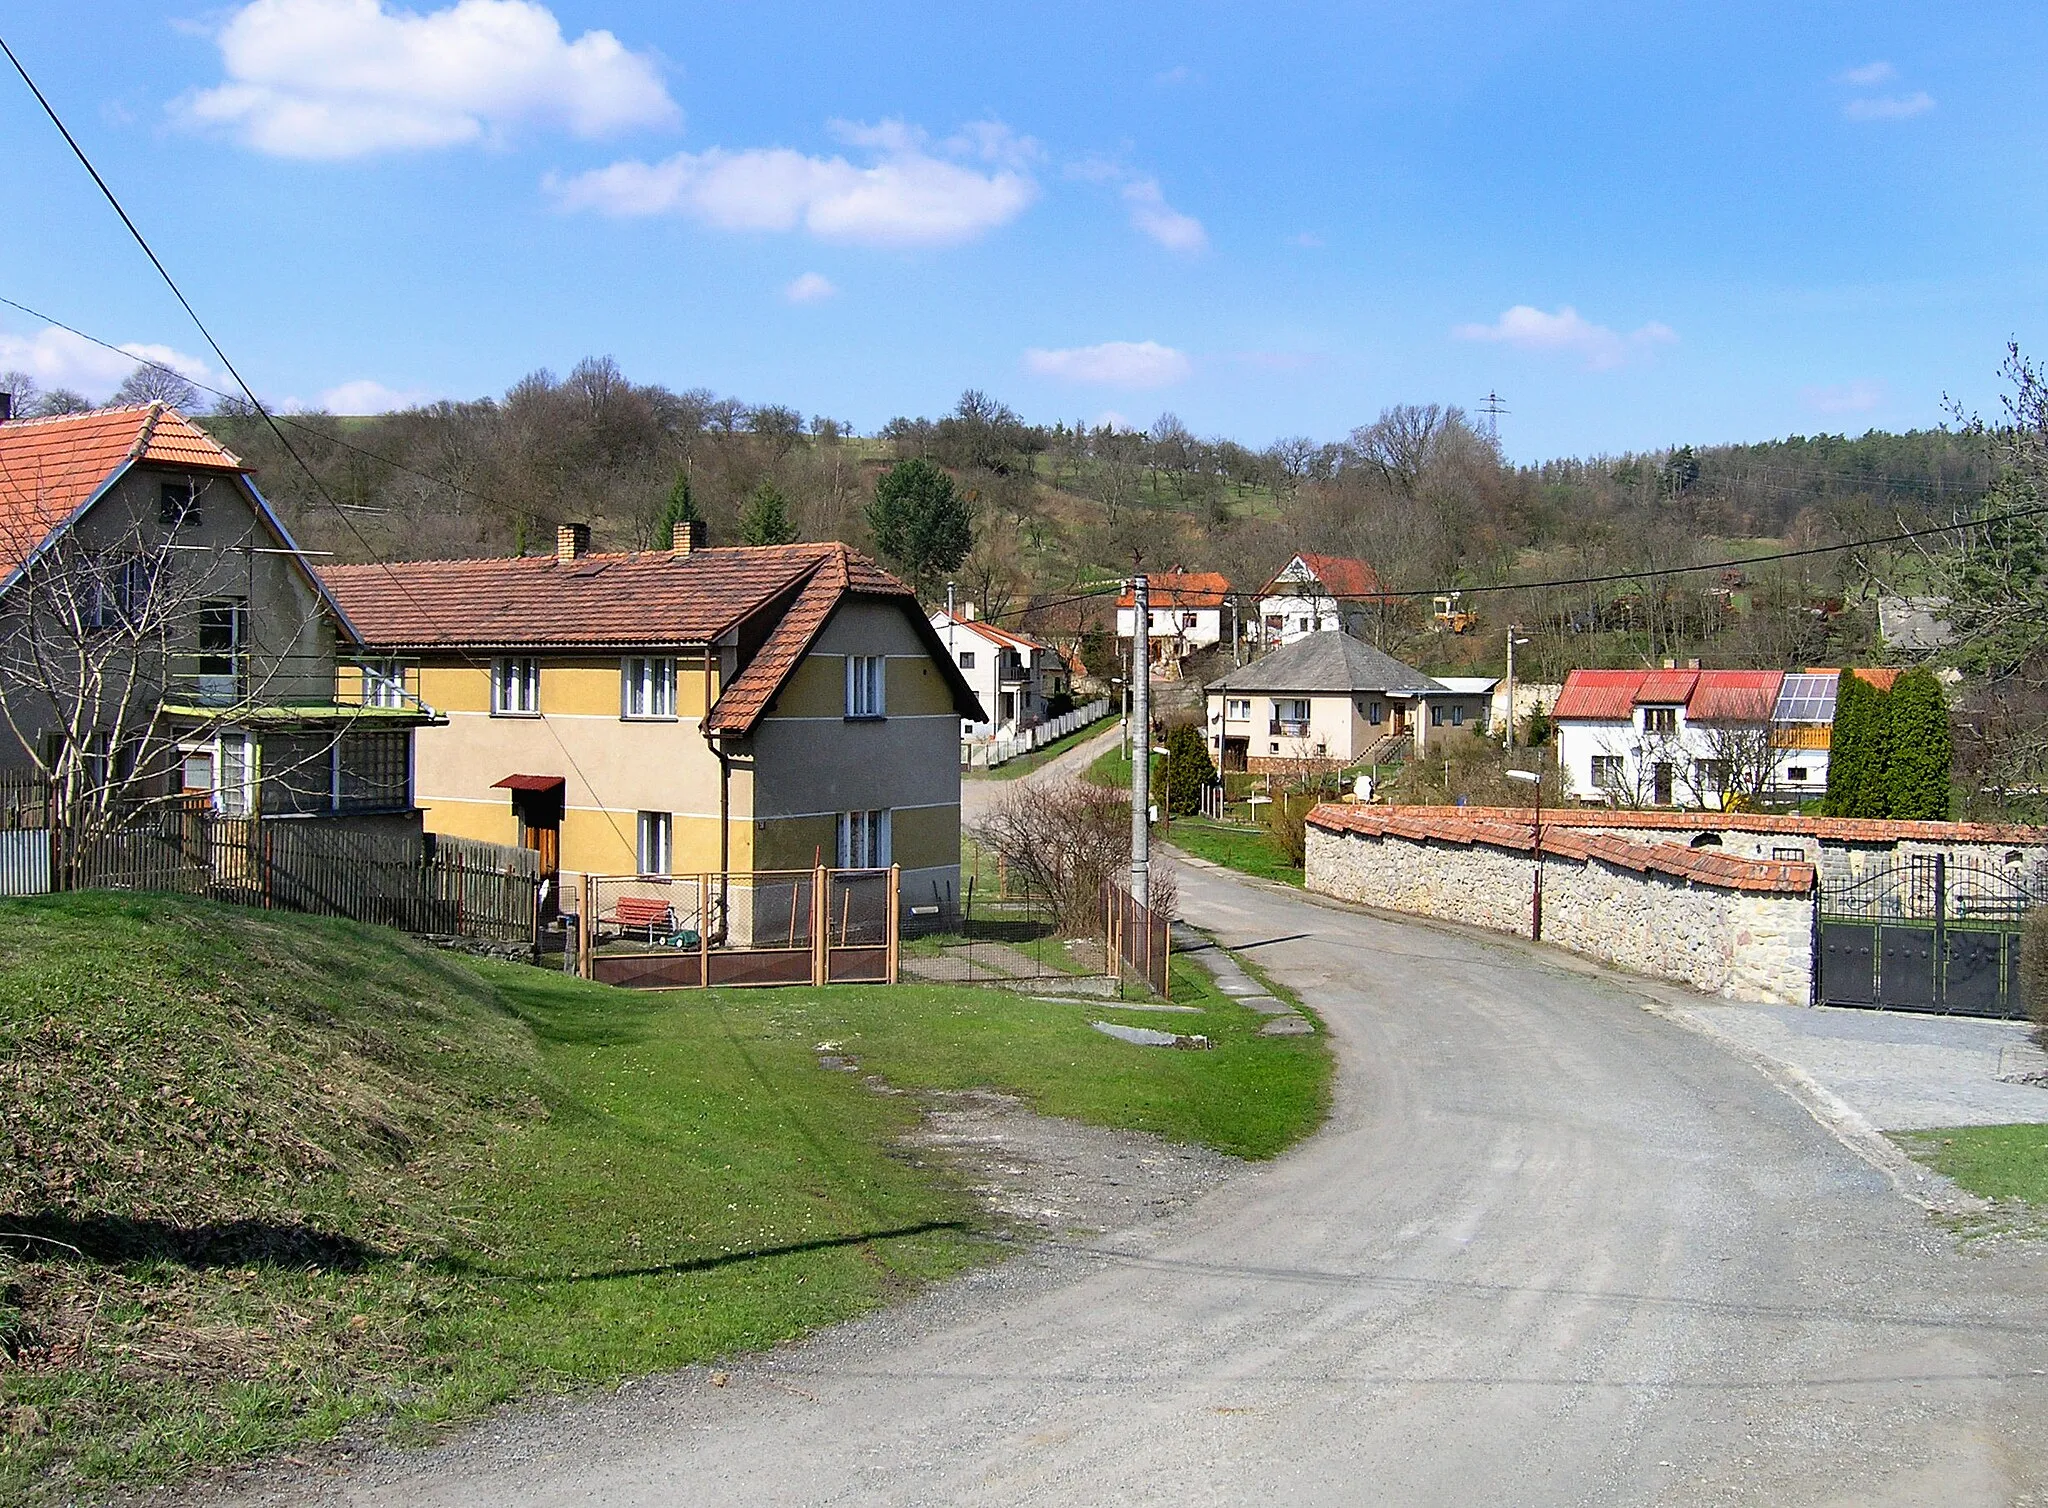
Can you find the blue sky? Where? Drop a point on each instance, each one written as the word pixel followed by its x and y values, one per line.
pixel 1641 225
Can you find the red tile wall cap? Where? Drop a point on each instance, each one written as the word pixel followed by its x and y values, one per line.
pixel 1839 829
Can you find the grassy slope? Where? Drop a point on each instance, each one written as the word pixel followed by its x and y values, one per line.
pixel 1249 850
pixel 1024 764
pixel 319 1174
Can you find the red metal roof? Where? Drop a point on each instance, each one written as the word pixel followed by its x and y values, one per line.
pixel 1182 589
pixel 50 467
pixel 1735 696
pixel 1707 695
pixel 1339 575
pixel 1667 687
pixel 1606 695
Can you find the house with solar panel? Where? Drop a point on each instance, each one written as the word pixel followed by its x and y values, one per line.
pixel 1701 739
pixel 682 711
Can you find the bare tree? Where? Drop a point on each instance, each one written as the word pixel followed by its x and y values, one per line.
pixel 152 382
pixel 1063 841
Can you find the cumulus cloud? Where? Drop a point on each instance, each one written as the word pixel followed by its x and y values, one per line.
pixel 1151 214
pixel 1858 397
pixel 57 358
pixel 347 78
pixel 1868 75
pixel 911 193
pixel 1114 363
pixel 809 288
pixel 366 395
pixel 1890 106
pixel 1567 332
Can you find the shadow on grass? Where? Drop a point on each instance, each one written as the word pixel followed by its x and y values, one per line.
pixel 559 1013
pixel 462 1268
pixel 121 1241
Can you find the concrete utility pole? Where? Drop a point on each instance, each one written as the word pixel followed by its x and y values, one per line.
pixel 1141 740
pixel 1510 718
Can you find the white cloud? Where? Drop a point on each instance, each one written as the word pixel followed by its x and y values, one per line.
pixel 809 288
pixel 1110 419
pixel 1151 214
pixel 1114 363
pixel 1858 397
pixel 1890 106
pixel 909 195
pixel 366 395
pixel 1568 332
pixel 57 358
pixel 1867 75
pixel 346 78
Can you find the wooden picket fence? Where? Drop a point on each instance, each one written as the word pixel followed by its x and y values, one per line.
pixel 1136 938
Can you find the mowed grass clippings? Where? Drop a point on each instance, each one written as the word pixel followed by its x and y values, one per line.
pixel 272 1177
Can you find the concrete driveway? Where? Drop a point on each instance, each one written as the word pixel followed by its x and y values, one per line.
pixel 1551 1249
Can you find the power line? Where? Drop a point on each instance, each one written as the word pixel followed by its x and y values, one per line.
pixel 200 325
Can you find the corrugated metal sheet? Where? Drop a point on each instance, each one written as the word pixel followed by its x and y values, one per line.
pixel 1603 694
pixel 25 862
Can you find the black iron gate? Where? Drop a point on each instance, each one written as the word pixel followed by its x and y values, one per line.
pixel 1924 933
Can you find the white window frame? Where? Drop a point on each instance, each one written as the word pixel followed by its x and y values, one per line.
pixel 1301 704
pixel 865 839
pixel 1237 709
pixel 647 688
pixel 515 687
pixel 655 849
pixel 384 684
pixel 867 686
pixel 966 659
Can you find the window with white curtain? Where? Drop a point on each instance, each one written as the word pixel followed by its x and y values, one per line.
pixel 383 683
pixel 866 685
pixel 647 687
pixel 656 831
pixel 515 688
pixel 864 840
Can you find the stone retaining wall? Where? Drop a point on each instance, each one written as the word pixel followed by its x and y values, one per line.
pixel 1741 944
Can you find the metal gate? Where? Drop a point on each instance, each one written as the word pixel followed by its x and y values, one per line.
pixel 1924 933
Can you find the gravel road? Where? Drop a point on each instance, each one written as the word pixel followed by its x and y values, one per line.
pixel 1551 1249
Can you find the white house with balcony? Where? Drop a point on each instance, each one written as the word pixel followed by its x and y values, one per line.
pixel 1187 613
pixel 1014 676
pixel 1329 701
pixel 1315 594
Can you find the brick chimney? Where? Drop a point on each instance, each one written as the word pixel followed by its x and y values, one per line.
pixel 688 537
pixel 572 542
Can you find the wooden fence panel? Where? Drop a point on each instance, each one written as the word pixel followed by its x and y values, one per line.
pixel 1137 939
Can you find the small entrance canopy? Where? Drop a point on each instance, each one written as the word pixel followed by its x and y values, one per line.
pixel 529 783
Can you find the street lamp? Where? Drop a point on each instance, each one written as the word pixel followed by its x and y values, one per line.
pixel 1535 778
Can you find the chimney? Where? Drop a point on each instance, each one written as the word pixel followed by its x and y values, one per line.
pixel 572 542
pixel 1693 664
pixel 687 537
pixel 1669 663
pixel 6 407
pixel 967 612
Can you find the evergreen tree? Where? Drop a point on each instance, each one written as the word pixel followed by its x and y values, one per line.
pixel 1849 747
pixel 681 508
pixel 920 523
pixel 1874 789
pixel 1921 749
pixel 1187 769
pixel 765 519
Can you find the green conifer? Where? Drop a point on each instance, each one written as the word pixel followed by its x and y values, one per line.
pixel 1921 749
pixel 765 519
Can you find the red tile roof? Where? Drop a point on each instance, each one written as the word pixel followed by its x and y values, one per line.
pixel 50 467
pixel 1340 576
pixel 1879 676
pixel 1004 637
pixel 1515 830
pixel 1182 589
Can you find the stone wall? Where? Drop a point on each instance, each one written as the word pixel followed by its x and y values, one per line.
pixel 1739 944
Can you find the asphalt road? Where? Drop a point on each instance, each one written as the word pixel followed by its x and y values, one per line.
pixel 1550 1249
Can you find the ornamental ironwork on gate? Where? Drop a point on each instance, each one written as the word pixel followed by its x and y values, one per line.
pixel 1925 932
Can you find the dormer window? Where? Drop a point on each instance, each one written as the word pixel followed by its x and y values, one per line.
pixel 1660 720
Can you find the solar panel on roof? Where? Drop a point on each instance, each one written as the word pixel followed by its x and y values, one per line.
pixel 1806 698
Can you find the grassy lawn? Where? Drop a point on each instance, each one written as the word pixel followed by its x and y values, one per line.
pixel 1249 850
pixel 1997 1162
pixel 1024 764
pixel 1113 768
pixel 273 1176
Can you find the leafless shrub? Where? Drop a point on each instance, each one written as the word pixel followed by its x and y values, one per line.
pixel 1062 841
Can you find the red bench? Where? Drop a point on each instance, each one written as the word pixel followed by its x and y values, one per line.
pixel 641 913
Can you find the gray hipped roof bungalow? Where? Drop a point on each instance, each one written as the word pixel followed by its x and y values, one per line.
pixel 1331 699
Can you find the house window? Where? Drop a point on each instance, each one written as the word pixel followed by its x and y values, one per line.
pixel 1788 855
pixel 1187 620
pixel 1436 716
pixel 115 593
pixel 656 830
pixel 177 505
pixel 864 840
pixel 1457 716
pixel 515 688
pixel 1710 775
pixel 223 635
pixel 1660 720
pixel 966 659
pixel 1302 624
pixel 222 770
pixel 1607 771
pixel 383 683
pixel 1796 772
pixel 647 687
pixel 1290 715
pixel 1376 713
pixel 866 678
pixel 1238 708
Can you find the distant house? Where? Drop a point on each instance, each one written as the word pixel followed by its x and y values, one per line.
pixel 1331 701
pixel 681 711
pixel 1187 613
pixel 1697 738
pixel 1914 625
pixel 1315 594
pixel 166 642
pixel 1013 675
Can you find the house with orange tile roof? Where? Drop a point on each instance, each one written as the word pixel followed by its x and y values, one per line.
pixel 1315 594
pixel 1697 738
pixel 166 639
pixel 1186 617
pixel 1013 674
pixel 682 711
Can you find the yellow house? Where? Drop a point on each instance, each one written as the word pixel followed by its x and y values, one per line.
pixel 679 711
